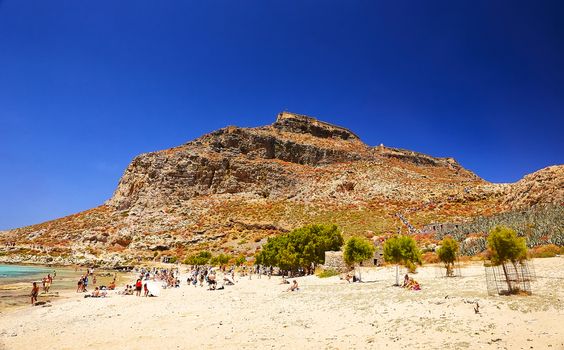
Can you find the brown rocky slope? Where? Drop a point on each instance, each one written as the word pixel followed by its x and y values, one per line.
pixel 232 188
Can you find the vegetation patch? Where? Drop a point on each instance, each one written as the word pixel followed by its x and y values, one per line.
pixel 327 273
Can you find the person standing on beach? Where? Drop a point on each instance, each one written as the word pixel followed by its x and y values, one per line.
pixel 34 293
pixel 138 286
pixel 85 283
pixel 48 283
pixel 79 285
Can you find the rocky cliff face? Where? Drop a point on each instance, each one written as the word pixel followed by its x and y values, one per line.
pixel 232 188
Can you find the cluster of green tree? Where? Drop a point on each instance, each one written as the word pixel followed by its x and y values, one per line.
pixel 300 248
pixel 206 258
pixel 504 246
pixel 202 258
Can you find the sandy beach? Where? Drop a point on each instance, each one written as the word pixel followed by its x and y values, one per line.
pixel 325 313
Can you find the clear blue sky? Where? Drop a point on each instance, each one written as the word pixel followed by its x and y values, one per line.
pixel 87 85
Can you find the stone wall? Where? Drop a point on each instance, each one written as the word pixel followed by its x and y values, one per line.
pixel 334 260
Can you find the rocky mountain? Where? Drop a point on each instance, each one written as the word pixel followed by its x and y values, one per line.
pixel 231 189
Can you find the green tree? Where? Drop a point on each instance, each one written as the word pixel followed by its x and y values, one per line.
pixel 240 260
pixel 300 248
pixel 220 260
pixel 202 258
pixel 358 249
pixel 401 250
pixel 447 254
pixel 506 247
pixel 223 259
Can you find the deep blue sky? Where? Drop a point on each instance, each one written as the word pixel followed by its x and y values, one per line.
pixel 87 85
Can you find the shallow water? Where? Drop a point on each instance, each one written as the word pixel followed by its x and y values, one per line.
pixel 21 271
pixel 16 282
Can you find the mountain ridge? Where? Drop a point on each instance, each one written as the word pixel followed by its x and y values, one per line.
pixel 230 189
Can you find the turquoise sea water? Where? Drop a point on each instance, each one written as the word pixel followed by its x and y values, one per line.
pixel 21 271
pixel 15 283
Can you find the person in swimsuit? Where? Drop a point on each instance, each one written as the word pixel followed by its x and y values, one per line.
pixel 79 285
pixel 34 293
pixel 294 287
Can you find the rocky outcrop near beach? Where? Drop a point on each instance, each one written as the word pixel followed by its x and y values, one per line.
pixel 229 190
pixel 541 187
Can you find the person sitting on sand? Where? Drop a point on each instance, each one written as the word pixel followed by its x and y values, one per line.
pixel 405 281
pixel 112 285
pixel 412 284
pixel 284 280
pixel 127 291
pixel 415 285
pixel 228 280
pixel 34 293
pixel 294 287
pixel 97 293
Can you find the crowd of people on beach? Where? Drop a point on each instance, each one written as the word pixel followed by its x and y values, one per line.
pixel 150 281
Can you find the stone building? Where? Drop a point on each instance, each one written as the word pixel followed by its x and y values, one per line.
pixel 334 260
pixel 440 228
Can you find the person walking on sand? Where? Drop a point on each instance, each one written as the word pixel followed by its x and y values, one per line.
pixel 34 293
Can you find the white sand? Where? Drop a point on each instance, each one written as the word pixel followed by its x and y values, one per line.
pixel 325 313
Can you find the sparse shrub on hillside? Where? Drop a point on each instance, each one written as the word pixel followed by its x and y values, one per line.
pixel 430 258
pixel 240 260
pixel 327 273
pixel 546 251
pixel 219 260
pixel 202 258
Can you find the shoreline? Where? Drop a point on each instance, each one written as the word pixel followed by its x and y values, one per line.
pixel 14 291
